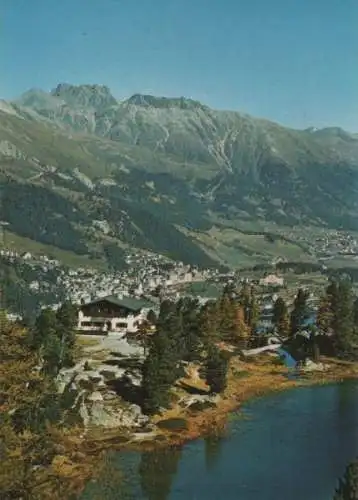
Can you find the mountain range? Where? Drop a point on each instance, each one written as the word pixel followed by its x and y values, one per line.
pixel 86 173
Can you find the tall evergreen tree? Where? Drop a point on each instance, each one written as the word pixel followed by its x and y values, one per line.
pixel 241 331
pixel 151 317
pixel 66 317
pixel 254 312
pixel 313 346
pixel 325 314
pixel 300 311
pixel 52 353
pixel 216 370
pixel 245 299
pixel 155 393
pixel 342 323
pixel 227 317
pixel 355 312
pixel 281 317
pixel 45 325
pixel 190 326
pixel 209 323
pixel 160 369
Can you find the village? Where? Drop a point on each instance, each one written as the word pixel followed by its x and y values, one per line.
pixel 147 280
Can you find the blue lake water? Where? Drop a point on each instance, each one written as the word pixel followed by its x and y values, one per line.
pixel 293 445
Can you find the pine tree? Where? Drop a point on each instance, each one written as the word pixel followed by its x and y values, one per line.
pixel 160 369
pixel 342 323
pixel 143 335
pixel 227 317
pixel 244 299
pixel 190 325
pixel 254 312
pixel 151 317
pixel 52 355
pixel 216 370
pixel 241 331
pixel 155 395
pixel 300 311
pixel 66 317
pixel 348 484
pixel 325 315
pixel 209 323
pixel 281 318
pixel 313 344
pixel 45 325
pixel 355 312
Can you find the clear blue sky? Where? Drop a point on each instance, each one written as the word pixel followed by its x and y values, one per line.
pixel 292 61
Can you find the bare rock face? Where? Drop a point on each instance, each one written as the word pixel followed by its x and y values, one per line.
pixel 95 396
pixel 109 417
pixel 96 402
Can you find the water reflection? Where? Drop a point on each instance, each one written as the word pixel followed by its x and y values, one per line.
pixel 309 433
pixel 157 470
pixel 213 447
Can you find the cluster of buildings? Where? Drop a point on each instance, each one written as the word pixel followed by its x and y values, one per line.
pixel 115 303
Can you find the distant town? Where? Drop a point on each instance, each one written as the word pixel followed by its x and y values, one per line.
pixel 148 276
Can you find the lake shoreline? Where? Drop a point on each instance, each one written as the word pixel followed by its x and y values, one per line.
pixel 261 378
pixel 246 381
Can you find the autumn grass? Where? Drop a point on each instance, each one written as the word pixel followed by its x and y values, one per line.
pixel 246 380
pixel 80 455
pixel 84 341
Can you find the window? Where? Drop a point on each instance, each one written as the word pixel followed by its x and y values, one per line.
pixel 86 323
pixel 121 325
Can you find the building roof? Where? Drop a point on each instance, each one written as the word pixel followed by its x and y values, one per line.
pixel 130 303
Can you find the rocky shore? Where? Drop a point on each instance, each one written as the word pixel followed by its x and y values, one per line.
pixel 109 421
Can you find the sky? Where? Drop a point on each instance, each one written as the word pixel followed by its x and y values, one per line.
pixel 291 61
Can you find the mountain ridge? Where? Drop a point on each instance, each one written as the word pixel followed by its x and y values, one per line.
pixel 176 163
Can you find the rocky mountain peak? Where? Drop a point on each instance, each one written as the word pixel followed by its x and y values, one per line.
pixel 87 96
pixel 146 100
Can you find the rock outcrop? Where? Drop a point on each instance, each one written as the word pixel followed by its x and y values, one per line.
pixel 96 401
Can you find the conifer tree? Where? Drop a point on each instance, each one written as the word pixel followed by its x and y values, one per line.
pixel 66 317
pixel 355 312
pixel 143 335
pixel 325 315
pixel 160 368
pixel 52 354
pixel 190 325
pixel 216 370
pixel 151 317
pixel 155 393
pixel 254 312
pixel 342 323
pixel 209 323
pixel 45 325
pixel 300 311
pixel 313 344
pixel 227 317
pixel 241 331
pixel 244 300
pixel 281 317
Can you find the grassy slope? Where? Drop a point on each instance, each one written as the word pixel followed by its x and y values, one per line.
pixel 68 258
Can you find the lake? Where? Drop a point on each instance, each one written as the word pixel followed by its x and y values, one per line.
pixel 294 445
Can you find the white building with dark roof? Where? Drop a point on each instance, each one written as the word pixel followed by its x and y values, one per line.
pixel 112 315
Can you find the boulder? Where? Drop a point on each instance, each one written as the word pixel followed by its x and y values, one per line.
pixel 310 365
pixel 95 396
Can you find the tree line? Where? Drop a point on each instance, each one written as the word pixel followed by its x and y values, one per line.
pixel 188 332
